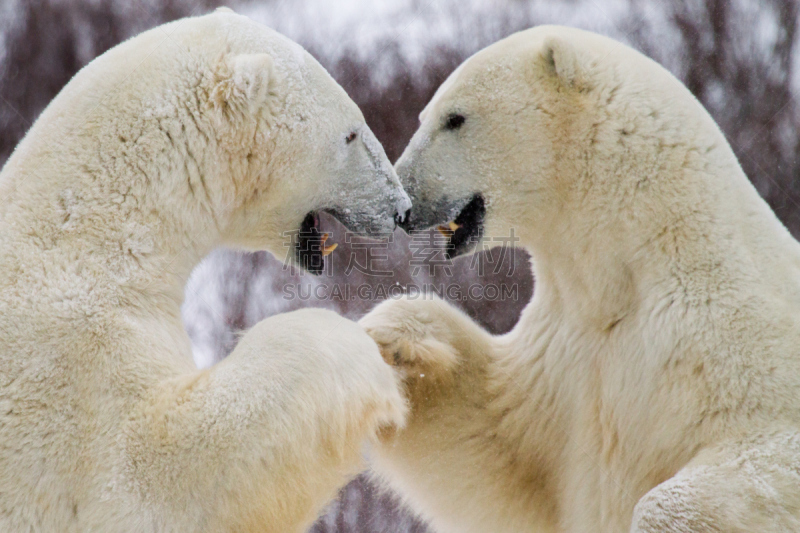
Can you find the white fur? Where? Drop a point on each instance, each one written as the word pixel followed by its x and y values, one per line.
pixel 206 131
pixel 653 382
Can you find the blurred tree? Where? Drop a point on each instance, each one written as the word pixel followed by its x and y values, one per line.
pixel 45 42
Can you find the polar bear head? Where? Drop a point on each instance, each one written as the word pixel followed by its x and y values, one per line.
pixel 298 142
pixel 554 131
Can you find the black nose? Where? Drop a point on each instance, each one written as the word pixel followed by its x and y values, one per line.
pixel 402 221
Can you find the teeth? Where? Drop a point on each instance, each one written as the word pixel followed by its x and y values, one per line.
pixel 448 229
pixel 326 250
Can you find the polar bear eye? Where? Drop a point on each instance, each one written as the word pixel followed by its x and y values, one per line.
pixel 454 121
pixel 350 138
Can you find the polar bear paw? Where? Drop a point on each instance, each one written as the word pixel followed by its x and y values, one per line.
pixel 414 336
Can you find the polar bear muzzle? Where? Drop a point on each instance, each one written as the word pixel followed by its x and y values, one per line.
pixel 463 231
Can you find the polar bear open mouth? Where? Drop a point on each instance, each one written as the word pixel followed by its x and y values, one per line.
pixel 466 230
pixel 311 246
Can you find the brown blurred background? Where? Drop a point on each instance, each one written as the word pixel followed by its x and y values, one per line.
pixel 739 57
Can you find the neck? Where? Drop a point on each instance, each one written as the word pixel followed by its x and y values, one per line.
pixel 108 247
pixel 585 273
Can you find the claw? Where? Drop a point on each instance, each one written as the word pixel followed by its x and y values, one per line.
pixel 323 239
pixel 328 250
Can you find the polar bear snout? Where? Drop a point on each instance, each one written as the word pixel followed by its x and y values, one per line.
pixel 363 191
pixel 443 189
pixel 378 215
pixel 460 222
pixel 312 245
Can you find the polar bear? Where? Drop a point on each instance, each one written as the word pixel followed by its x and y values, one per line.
pixel 653 382
pixel 207 131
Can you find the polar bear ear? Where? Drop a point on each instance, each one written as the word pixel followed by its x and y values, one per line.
pixel 564 62
pixel 244 86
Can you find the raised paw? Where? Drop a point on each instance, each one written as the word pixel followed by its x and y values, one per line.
pixel 414 336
